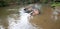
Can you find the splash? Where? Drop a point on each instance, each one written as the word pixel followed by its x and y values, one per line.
pixel 22 22
pixel 1 27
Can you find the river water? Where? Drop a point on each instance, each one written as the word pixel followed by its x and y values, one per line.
pixel 10 18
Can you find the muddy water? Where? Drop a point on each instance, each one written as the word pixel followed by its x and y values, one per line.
pixel 43 21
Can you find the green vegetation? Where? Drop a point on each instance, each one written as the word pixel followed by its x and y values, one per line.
pixel 3 4
pixel 55 4
pixel 16 2
pixel 23 2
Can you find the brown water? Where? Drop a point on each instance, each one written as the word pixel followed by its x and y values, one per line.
pixel 43 20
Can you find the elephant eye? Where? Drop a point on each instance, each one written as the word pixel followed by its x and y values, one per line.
pixel 25 9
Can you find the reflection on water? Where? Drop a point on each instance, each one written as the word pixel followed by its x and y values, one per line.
pixel 43 20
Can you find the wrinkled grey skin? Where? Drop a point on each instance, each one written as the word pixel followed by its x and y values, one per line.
pixel 32 7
